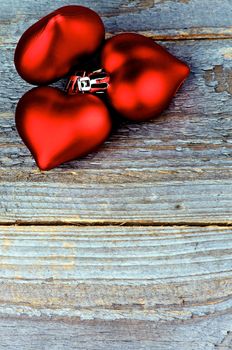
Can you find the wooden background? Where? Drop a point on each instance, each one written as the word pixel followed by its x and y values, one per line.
pixel 130 247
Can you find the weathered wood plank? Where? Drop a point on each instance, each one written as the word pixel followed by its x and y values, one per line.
pixel 176 168
pixel 163 19
pixel 153 273
pixel 201 334
pixel 189 202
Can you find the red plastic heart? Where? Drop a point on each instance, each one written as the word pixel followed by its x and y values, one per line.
pixel 144 76
pixel 58 128
pixel 53 45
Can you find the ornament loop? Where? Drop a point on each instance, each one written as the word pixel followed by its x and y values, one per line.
pixel 94 82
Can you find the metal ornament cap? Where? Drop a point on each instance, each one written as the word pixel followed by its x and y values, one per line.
pixel 95 82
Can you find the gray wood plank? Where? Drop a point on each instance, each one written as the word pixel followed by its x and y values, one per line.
pixel 32 334
pixel 176 168
pixel 162 19
pixel 152 274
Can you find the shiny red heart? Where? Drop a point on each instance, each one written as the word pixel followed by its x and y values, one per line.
pixel 143 75
pixel 53 45
pixel 57 127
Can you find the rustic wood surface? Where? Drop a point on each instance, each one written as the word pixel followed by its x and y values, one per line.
pixel 162 19
pixel 130 247
pixel 157 273
pixel 116 287
pixel 176 168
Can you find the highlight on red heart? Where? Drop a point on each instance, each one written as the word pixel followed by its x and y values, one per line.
pixel 52 46
pixel 57 127
pixel 137 77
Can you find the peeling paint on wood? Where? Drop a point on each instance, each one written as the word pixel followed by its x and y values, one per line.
pixel 163 19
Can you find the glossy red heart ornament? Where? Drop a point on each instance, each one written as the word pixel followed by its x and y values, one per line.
pixel 58 128
pixel 50 47
pixel 144 76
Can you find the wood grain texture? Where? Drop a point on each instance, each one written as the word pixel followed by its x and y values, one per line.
pixel 151 273
pixel 115 288
pixel 176 168
pixel 197 334
pixel 161 19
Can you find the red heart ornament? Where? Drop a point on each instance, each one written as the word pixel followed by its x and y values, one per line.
pixel 58 128
pixel 50 47
pixel 144 76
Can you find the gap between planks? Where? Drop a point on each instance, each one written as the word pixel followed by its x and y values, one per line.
pixel 117 223
pixel 164 38
pixel 178 37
